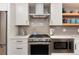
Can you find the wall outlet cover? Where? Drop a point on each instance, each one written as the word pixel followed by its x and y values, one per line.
pixel 64 30
pixel 78 29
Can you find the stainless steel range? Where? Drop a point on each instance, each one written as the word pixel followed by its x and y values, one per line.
pixel 39 44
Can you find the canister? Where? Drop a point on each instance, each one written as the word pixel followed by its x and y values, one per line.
pixel 73 20
pixel 68 21
pixel 77 21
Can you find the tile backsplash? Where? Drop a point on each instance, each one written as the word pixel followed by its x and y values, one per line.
pixel 39 26
pixel 58 30
pixel 62 30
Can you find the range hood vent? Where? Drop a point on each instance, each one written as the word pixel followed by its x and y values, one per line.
pixel 39 12
pixel 39 8
pixel 39 16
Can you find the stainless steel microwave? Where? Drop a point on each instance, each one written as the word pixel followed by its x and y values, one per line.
pixel 63 45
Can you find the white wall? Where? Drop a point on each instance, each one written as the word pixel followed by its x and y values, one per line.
pixel 11 20
pixel 11 30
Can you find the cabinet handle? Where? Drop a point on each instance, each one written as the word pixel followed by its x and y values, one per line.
pixel 19 48
pixel 75 46
pixel 19 41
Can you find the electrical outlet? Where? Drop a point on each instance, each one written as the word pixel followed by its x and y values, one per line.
pixel 64 30
pixel 78 29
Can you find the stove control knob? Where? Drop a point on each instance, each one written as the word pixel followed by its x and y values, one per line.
pixel 39 39
pixel 46 39
pixel 30 39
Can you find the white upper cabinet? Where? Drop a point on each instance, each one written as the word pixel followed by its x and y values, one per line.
pixel 56 14
pixel 39 9
pixel 3 6
pixel 76 46
pixel 22 14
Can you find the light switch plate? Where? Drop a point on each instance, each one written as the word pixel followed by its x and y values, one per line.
pixel 78 29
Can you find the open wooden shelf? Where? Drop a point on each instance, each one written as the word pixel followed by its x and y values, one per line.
pixel 70 14
pixel 67 24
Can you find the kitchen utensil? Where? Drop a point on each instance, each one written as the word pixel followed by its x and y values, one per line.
pixel 64 10
pixel 71 11
pixel 52 31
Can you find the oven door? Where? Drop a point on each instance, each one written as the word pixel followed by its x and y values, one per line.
pixel 39 48
pixel 62 46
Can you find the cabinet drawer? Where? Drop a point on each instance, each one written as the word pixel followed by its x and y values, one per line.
pixel 14 52
pixel 18 41
pixel 18 47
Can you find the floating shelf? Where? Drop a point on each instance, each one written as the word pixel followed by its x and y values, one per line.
pixel 67 24
pixel 70 14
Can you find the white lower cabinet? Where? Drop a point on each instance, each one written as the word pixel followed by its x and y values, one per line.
pixel 18 46
pixel 76 45
pixel 18 52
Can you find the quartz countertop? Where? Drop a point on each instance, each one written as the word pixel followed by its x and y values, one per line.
pixel 64 36
pixel 53 37
pixel 17 36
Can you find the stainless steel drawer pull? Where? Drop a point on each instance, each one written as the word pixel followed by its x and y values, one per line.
pixel 19 41
pixel 19 48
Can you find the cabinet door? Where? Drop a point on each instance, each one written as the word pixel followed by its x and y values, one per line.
pixel 76 46
pixel 3 6
pixel 17 52
pixel 22 14
pixel 18 46
pixel 56 14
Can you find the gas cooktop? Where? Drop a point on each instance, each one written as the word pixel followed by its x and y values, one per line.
pixel 39 36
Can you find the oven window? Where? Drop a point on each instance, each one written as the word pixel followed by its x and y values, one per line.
pixel 60 45
pixel 39 49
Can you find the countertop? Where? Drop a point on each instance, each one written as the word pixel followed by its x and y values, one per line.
pixel 64 36
pixel 26 36
pixel 53 37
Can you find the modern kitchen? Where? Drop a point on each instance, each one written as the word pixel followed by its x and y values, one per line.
pixel 39 28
